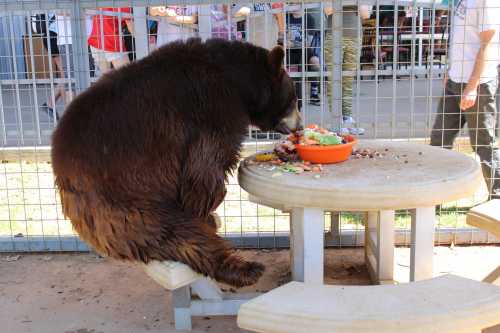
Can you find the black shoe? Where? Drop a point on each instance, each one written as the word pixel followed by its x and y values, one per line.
pixel 314 100
pixel 50 112
pixel 265 135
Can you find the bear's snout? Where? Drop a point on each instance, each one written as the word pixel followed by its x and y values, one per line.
pixel 291 123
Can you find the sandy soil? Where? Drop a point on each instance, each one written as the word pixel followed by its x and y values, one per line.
pixel 82 293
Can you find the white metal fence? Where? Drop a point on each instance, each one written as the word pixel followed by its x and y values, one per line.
pixel 394 53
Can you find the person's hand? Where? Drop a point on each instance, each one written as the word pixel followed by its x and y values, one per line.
pixel 170 12
pixel 281 38
pixel 328 10
pixel 243 11
pixel 469 96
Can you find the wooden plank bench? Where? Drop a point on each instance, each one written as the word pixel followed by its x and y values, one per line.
pixel 487 217
pixel 447 304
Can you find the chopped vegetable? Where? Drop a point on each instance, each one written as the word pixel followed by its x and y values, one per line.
pixel 292 168
pixel 265 157
pixel 330 140
pixel 315 135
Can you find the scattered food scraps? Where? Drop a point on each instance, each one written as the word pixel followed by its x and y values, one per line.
pixel 11 258
pixel 265 157
pixel 366 153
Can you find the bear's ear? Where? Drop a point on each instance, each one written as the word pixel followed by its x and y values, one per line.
pixel 275 59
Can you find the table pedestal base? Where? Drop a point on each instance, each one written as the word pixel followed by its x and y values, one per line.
pixel 379 245
pixel 307 229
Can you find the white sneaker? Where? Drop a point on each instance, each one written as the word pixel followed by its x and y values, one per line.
pixel 350 126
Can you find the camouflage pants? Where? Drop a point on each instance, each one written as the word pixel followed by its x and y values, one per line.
pixel 349 63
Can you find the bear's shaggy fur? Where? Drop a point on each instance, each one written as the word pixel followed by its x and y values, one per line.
pixel 141 157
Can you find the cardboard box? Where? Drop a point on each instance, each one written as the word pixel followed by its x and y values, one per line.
pixel 40 57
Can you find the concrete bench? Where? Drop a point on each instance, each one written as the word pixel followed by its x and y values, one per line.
pixel 487 217
pixel 184 283
pixel 446 304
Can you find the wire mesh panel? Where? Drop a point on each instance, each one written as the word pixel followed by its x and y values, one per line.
pixel 372 68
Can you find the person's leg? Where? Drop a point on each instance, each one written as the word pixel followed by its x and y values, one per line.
pixel 328 51
pixel 449 118
pixel 57 69
pixel 60 91
pixel 481 121
pixel 91 62
pixel 117 59
pixel 121 61
pixel 294 64
pixel 349 61
pixel 100 60
pixel 314 65
pixel 497 98
pixel 68 68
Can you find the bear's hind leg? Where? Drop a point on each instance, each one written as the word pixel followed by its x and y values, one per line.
pixel 198 246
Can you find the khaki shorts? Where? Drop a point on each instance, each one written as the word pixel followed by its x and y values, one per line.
pixel 101 55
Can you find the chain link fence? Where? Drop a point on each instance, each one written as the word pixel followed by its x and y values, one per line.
pixel 375 66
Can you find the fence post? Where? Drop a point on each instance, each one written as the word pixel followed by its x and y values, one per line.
pixel 141 32
pixel 204 22
pixel 80 48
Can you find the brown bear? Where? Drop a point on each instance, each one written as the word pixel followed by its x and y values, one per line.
pixel 141 157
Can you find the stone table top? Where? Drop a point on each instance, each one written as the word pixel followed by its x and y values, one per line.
pixel 408 175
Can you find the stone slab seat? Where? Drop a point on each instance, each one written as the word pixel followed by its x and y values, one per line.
pixel 486 216
pixel 183 282
pixel 447 304
pixel 171 275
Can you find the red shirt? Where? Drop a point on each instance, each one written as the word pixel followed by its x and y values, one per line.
pixel 111 30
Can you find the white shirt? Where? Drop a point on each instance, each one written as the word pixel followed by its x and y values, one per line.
pixel 168 32
pixel 63 30
pixel 471 17
pixel 50 16
pixel 88 25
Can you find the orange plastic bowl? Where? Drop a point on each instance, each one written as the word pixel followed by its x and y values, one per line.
pixel 327 154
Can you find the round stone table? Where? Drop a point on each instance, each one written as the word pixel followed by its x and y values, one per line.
pixel 408 176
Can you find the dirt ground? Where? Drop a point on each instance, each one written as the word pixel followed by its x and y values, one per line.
pixel 82 293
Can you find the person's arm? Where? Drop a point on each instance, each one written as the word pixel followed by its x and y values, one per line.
pixel 328 9
pixel 364 12
pixel 186 19
pixel 242 12
pixel 469 94
pixel 192 18
pixel 162 11
pixel 280 21
pixel 130 26
pixel 172 15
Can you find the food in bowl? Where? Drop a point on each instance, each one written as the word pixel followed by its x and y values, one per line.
pixel 317 145
pixel 315 135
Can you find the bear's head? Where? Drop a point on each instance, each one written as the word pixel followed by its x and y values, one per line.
pixel 280 112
